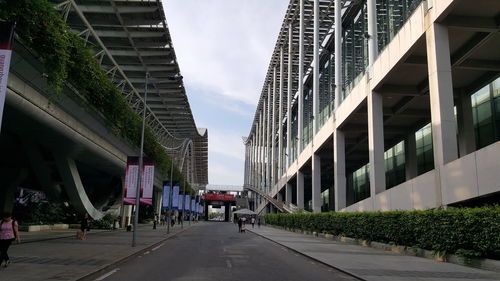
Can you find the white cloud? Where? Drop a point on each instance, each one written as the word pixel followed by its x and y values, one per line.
pixel 225 45
pixel 223 48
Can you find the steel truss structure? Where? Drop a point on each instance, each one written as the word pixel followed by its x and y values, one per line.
pixel 131 39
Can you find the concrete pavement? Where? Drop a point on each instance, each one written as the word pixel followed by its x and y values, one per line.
pixel 71 259
pixel 216 251
pixel 372 264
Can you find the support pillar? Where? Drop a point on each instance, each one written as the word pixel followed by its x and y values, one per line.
pixel 280 119
pixel 289 97
pixel 338 53
pixel 316 71
pixel 372 32
pixel 441 95
pixel 466 137
pixel 316 183
pixel 411 156
pixel 288 193
pixel 376 143
pixel 300 189
pixel 300 79
pixel 273 133
pixel 339 169
pixel 268 142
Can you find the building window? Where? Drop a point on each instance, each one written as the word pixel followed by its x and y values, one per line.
pixel 395 165
pixel 486 114
pixel 358 185
pixel 325 200
pixel 425 156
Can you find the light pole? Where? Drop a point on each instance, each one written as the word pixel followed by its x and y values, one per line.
pixel 139 170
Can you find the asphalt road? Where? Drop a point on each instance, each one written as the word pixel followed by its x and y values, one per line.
pixel 216 251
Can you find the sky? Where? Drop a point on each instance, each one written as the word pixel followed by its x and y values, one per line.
pixel 223 48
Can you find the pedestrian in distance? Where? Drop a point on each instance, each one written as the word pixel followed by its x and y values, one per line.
pixel 84 227
pixel 253 222
pixel 258 222
pixel 9 231
pixel 240 224
pixel 155 221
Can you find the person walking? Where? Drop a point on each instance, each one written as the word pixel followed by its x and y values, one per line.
pixel 84 226
pixel 258 222
pixel 9 231
pixel 240 224
pixel 253 222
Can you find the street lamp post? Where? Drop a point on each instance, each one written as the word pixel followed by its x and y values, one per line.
pixel 139 170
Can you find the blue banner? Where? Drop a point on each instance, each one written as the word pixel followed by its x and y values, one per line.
pixel 181 202
pixel 175 197
pixel 187 201
pixel 165 203
pixel 193 206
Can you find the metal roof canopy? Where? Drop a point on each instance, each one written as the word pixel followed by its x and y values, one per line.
pixel 326 30
pixel 131 39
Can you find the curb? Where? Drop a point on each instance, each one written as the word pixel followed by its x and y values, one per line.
pixel 311 257
pixel 105 268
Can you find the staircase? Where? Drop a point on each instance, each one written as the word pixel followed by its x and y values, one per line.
pixel 269 199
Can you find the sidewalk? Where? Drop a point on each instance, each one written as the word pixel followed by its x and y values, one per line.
pixel 369 263
pixel 52 258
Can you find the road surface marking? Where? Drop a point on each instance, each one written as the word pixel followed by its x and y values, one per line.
pixel 146 253
pixel 229 265
pixel 157 247
pixel 107 274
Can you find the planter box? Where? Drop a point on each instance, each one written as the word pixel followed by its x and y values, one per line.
pixel 43 227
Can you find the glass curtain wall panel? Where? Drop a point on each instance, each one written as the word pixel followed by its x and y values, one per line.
pixel 354 50
pixel 358 185
pixel 391 16
pixel 326 90
pixel 425 152
pixel 325 200
pixel 293 140
pixel 486 114
pixel 395 165
pixel 307 132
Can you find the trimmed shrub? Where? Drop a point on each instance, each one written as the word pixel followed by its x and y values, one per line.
pixel 464 231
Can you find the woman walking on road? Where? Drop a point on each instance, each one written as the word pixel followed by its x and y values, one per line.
pixel 85 226
pixel 9 231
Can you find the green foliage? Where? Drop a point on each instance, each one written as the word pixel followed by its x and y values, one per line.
pixel 465 231
pixel 67 59
pixel 44 213
pixel 105 223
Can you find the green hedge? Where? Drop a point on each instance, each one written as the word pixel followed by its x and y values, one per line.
pixel 65 58
pixel 467 231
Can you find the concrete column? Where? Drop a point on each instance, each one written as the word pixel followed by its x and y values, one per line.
pixel 410 156
pixel 280 119
pixel 268 142
pixel 316 183
pixel 376 143
pixel 263 148
pixel 338 53
pixel 339 169
pixel 273 132
pixel 300 79
pixel 300 189
pixel 260 166
pixel 466 137
pixel 279 197
pixel 372 32
pixel 441 95
pixel 289 97
pixel 316 70
pixel 288 193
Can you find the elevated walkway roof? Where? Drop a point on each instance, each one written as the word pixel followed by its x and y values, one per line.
pixel 131 39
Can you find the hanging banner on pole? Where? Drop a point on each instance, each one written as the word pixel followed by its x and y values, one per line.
pixel 165 199
pixel 187 201
pixel 181 202
pixel 6 36
pixel 193 206
pixel 130 184
pixel 175 197
pixel 147 179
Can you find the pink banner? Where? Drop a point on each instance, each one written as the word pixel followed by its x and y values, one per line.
pixel 130 183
